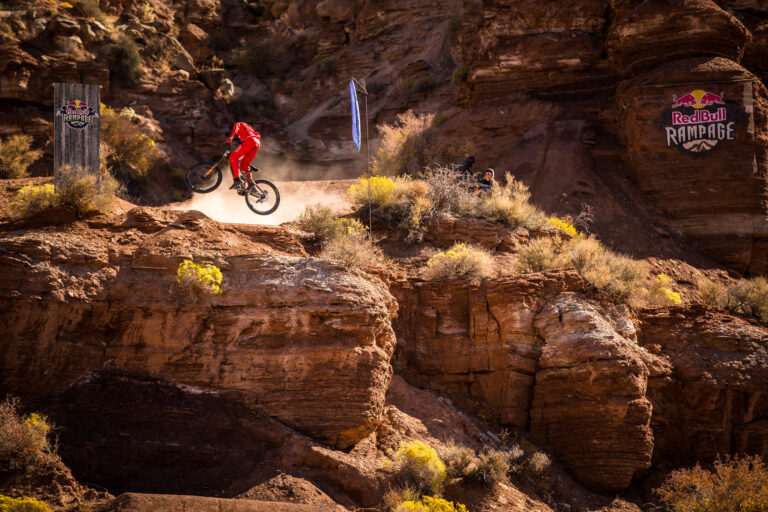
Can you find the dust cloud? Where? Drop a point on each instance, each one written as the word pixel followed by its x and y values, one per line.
pixel 226 205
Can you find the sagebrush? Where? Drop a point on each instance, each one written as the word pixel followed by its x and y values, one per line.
pixel 24 441
pixel 16 156
pixel 747 297
pixel 130 154
pixel 737 484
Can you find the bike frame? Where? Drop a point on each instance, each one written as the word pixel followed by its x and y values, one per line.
pixel 225 158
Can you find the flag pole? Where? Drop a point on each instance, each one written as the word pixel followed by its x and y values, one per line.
pixel 364 90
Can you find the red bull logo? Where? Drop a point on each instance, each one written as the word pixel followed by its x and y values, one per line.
pixel 698 122
pixel 77 114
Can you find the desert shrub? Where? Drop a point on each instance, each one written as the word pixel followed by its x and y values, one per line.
pixel 458 459
pixel 459 75
pixel 16 157
pixel 378 189
pixel 199 278
pixel 127 60
pixel 617 275
pixel 537 465
pixel 85 192
pixel 146 13
pixel 419 466
pixel 565 225
pixel 431 504
pixel 404 145
pixel 510 204
pixel 541 254
pixel 516 459
pixel 711 293
pixel 659 293
pixel 34 198
pixel 320 221
pixel 395 497
pixel 735 485
pixel 449 190
pixel 8 504
pixel 90 9
pixel 490 469
pixel 131 154
pixel 461 261
pixel 354 249
pixel 23 440
pixel 748 297
pixel 745 297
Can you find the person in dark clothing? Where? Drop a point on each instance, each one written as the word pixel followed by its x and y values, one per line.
pixel 466 167
pixel 486 183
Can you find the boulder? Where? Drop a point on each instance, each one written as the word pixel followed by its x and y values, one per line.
pixel 589 402
pixel 196 41
pixel 304 339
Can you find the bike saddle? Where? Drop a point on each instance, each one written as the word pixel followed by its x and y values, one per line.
pixel 253 169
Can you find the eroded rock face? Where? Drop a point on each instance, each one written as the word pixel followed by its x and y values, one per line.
pixel 477 344
pixel 714 402
pixel 710 184
pixel 306 340
pixel 589 401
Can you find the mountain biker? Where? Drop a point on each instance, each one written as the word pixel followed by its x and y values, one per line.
pixel 241 157
pixel 486 183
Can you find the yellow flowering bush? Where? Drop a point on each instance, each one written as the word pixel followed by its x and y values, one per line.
pixel 382 189
pixel 8 504
pixel 420 466
pixel 431 504
pixel 23 440
pixel 200 277
pixel 34 198
pixel 460 261
pixel 659 293
pixel 735 485
pixel 16 156
pixel 565 226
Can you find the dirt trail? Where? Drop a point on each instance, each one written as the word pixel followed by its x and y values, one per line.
pixel 225 205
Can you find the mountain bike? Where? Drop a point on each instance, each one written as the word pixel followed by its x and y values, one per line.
pixel 261 196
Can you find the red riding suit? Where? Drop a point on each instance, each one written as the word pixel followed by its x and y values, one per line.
pixel 246 151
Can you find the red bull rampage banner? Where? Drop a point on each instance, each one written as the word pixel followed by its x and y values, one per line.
pixel 699 121
pixel 78 114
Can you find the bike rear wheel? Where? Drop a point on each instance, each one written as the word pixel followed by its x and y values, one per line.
pixel 204 177
pixel 262 197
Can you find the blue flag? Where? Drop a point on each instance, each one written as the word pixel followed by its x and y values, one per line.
pixel 355 115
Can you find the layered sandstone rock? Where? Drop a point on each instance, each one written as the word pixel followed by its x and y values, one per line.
pixel 714 401
pixel 306 340
pixel 660 31
pixel 709 184
pixel 477 344
pixel 589 401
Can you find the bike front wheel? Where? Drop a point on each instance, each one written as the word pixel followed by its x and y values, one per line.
pixel 262 197
pixel 204 177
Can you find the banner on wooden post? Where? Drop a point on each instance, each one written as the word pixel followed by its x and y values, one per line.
pixel 77 128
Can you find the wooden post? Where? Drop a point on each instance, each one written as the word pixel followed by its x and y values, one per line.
pixel 77 127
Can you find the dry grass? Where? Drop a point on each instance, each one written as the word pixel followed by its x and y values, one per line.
pixel 354 250
pixel 24 442
pixel 404 145
pixel 16 156
pixel 395 497
pixel 538 465
pixel 541 254
pixel 85 192
pixel 320 221
pixel 130 154
pixel 735 485
pixel 490 469
pixel 747 297
pixel 510 205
